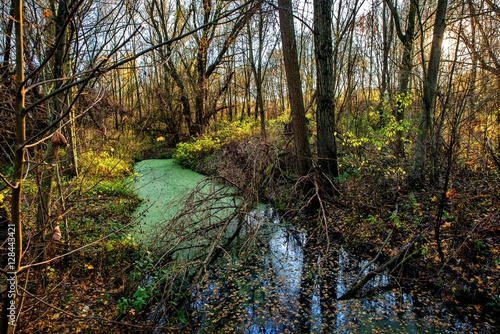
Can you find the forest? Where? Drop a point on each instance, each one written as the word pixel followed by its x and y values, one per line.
pixel 274 166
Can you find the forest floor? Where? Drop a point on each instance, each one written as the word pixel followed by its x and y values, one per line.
pixel 465 281
pixel 82 292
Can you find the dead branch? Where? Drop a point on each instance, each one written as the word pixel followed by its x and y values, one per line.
pixel 393 263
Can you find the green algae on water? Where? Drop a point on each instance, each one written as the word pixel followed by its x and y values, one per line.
pixel 160 184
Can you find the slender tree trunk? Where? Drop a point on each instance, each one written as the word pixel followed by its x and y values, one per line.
pixel 407 40
pixel 58 105
pixel 386 42
pixel 260 78
pixel 186 106
pixel 205 67
pixel 10 317
pixel 429 97
pixel 72 151
pixel 256 65
pixel 201 87
pixel 290 58
pixel 325 112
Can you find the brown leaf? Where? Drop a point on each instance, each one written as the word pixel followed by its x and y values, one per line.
pixel 56 235
pixel 58 140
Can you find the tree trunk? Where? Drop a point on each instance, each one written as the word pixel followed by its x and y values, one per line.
pixel 72 152
pixel 13 269
pixel 387 39
pixel 201 86
pixel 325 113
pixel 290 59
pixel 407 38
pixel 256 65
pixel 429 97
pixel 58 105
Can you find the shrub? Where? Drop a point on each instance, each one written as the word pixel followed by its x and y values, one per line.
pixel 104 164
pixel 189 154
pixel 136 302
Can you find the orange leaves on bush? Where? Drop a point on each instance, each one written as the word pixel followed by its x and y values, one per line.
pixel 451 193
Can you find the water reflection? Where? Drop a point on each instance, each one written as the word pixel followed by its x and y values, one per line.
pixel 267 296
pixel 280 284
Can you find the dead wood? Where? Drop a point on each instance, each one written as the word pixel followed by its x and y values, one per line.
pixel 391 264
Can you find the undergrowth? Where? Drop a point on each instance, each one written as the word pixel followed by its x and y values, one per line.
pixel 83 291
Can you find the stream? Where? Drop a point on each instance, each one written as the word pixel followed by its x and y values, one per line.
pixel 281 285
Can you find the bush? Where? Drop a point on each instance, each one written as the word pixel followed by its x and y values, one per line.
pixel 136 302
pixel 234 131
pixel 104 164
pixel 189 154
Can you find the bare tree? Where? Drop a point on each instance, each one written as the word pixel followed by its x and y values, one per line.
pixel 258 68
pixel 205 65
pixel 407 40
pixel 17 178
pixel 295 96
pixel 325 111
pixel 430 87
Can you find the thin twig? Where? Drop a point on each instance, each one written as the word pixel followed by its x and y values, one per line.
pixel 377 255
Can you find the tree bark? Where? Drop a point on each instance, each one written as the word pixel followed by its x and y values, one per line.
pixel 295 96
pixel 256 65
pixel 407 38
pixel 325 112
pixel 204 70
pixel 430 85
pixel 20 112
pixel 59 103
